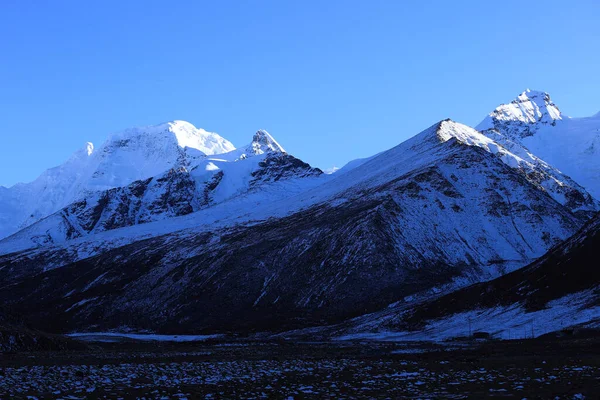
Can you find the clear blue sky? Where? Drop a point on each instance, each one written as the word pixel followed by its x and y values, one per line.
pixel 331 80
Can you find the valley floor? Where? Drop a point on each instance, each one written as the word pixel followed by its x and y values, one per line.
pixel 541 368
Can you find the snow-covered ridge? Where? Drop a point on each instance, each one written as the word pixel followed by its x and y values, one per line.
pixel 125 157
pixel 145 153
pixel 197 184
pixel 533 125
pixel 447 206
pixel 439 206
pixel 562 188
pixel 422 151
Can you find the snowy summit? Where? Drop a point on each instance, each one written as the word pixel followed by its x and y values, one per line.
pixel 523 116
pixel 125 157
pixel 263 142
pixel 535 125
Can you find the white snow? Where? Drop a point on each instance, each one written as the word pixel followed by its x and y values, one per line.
pixel 528 133
pixel 262 143
pixel 233 204
pixel 502 322
pixel 530 107
pixel 331 170
pixel 126 156
pixel 533 124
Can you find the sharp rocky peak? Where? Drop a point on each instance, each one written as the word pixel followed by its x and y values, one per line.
pixel 539 104
pixel 263 142
pixel 523 116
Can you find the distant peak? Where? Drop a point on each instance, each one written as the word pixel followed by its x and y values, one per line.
pixel 263 142
pixel 536 98
pixel 542 99
pixel 182 133
pixel 523 116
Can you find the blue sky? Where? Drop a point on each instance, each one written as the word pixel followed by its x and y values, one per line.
pixel 331 80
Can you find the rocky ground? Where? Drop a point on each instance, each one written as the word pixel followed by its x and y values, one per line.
pixel 552 368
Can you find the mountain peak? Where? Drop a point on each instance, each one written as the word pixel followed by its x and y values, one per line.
pixel 184 134
pixel 188 135
pixel 540 102
pixel 263 142
pixel 445 131
pixel 449 129
pixel 534 94
pixel 524 115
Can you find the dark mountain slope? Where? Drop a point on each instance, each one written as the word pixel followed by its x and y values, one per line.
pixel 569 268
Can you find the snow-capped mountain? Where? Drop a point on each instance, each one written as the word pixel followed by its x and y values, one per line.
pixel 447 207
pixel 263 142
pixel 197 184
pixel 524 116
pixel 127 156
pixel 534 124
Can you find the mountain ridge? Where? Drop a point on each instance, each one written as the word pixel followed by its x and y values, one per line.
pixel 126 156
pixel 345 245
pixel 255 239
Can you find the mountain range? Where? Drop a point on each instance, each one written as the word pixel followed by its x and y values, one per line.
pixel 170 228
